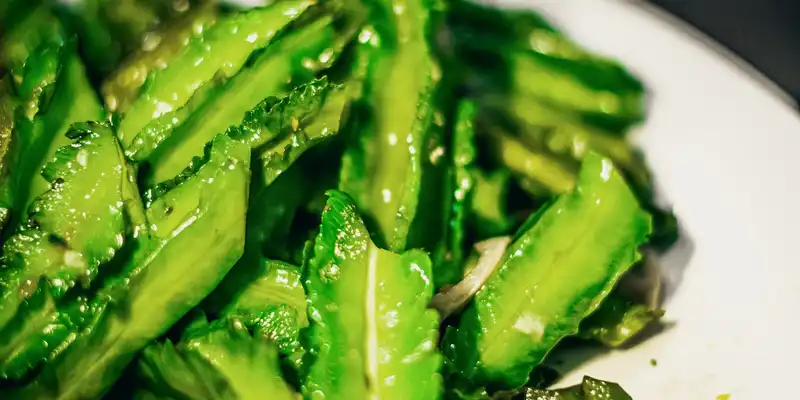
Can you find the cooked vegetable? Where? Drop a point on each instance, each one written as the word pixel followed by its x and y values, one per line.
pixel 218 53
pixel 449 255
pixel 274 306
pixel 160 48
pixel 53 93
pixel 217 361
pixel 280 132
pixel 74 228
pixel 489 215
pixel 566 264
pixel 178 137
pixel 384 164
pixel 371 335
pixel 150 249
pixel 589 389
pixel 618 320
pixel 8 105
pixel 163 280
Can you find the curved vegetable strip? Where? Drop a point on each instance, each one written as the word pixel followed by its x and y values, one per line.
pixel 167 273
pixel 371 333
pixel 38 139
pixel 274 306
pixel 74 228
pixel 217 54
pixel 542 64
pixel 568 259
pixel 488 214
pixel 449 255
pixel 270 75
pixel 562 135
pixel 280 132
pixel 122 86
pixel 618 320
pixel 385 165
pixel 36 26
pixel 215 361
pixel 541 174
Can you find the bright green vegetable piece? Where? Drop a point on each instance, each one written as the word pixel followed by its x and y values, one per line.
pixel 74 228
pixel 219 53
pixel 574 88
pixel 618 320
pixel 111 29
pixel 166 274
pixel 383 166
pixel 274 306
pixel 162 47
pixel 518 51
pixel 589 389
pixel 8 105
pixel 173 146
pixel 489 216
pixel 567 257
pixel 372 335
pixel 37 140
pixel 449 256
pixel 217 361
pixel 540 173
pixel 280 132
pixel 36 25
pixel 562 135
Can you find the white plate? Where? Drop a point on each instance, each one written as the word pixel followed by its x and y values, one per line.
pixel 724 147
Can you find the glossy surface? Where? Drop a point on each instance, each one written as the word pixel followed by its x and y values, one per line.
pixel 450 256
pixel 216 361
pixel 274 305
pixel 75 227
pixel 69 100
pixel 388 158
pixel 371 334
pixel 159 49
pixel 217 54
pixel 270 75
pixel 562 264
pixel 166 273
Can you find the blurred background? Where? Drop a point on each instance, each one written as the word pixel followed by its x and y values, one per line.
pixel 765 33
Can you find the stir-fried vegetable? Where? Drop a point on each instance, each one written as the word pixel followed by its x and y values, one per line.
pixel 339 199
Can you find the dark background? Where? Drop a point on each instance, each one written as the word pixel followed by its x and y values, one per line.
pixel 765 33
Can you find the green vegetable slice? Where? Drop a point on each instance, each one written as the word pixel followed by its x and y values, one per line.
pixel 217 361
pixel 384 164
pixel 274 306
pixel 489 216
pixel 270 75
pixel 589 389
pixel 74 228
pixel 540 174
pixel 450 253
pixel 36 25
pixel 167 273
pixel 38 139
pixel 164 44
pixel 8 141
pixel 220 52
pixel 567 257
pixel 618 320
pixel 562 135
pixel 372 335
pixel 280 132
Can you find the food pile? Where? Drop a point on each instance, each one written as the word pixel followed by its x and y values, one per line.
pixel 326 199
